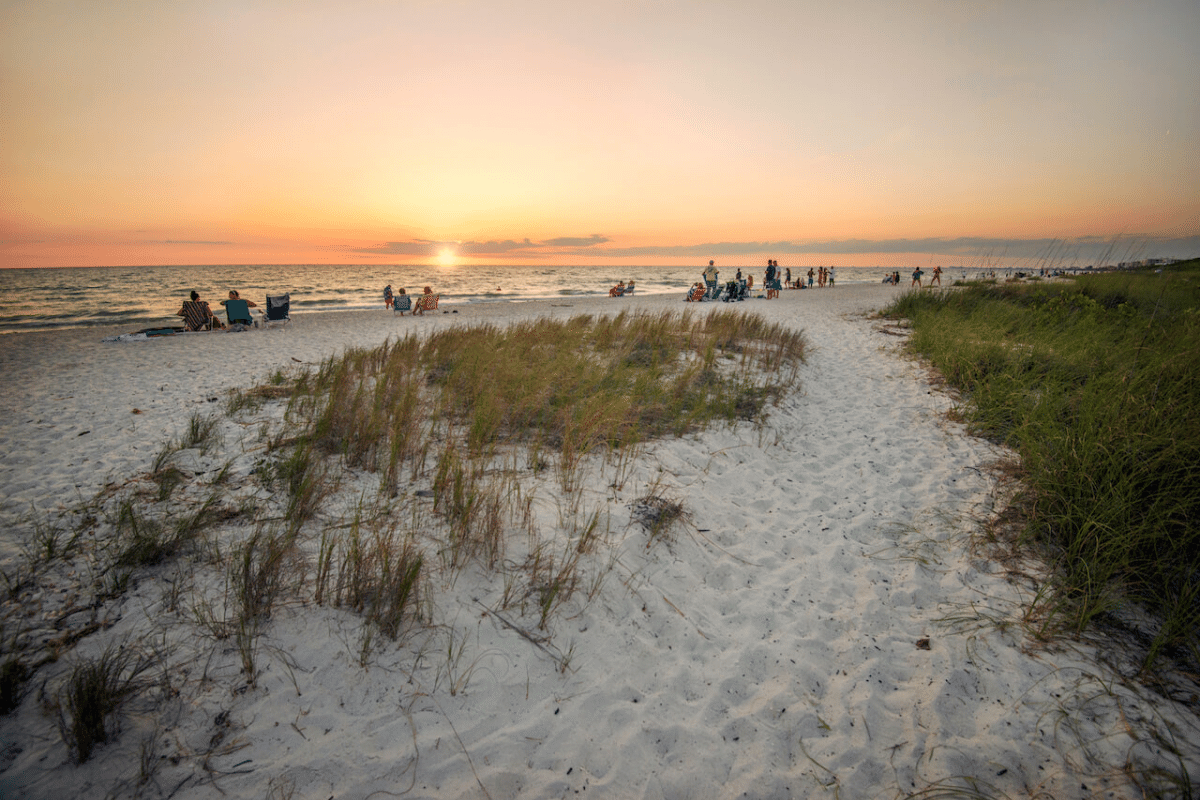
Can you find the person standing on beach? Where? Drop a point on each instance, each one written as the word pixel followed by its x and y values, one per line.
pixel 387 296
pixel 769 279
pixel 710 279
pixel 788 281
pixel 937 276
pixel 916 281
pixel 810 277
pixel 831 277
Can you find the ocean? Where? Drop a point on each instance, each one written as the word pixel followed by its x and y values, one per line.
pixel 141 297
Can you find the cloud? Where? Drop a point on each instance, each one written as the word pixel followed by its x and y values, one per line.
pixel 506 247
pixel 188 242
pixel 576 241
pixel 1082 248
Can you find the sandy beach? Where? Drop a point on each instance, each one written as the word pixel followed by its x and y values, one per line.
pixel 822 627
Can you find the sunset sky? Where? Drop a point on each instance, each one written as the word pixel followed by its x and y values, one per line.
pixel 605 132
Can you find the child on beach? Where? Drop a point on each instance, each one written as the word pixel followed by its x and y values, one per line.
pixel 387 296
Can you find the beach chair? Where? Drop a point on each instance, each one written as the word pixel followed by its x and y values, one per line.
pixel 197 316
pixel 696 293
pixel 238 311
pixel 426 302
pixel 401 303
pixel 277 308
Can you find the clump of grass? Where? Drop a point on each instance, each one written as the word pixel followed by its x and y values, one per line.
pixel 378 575
pixel 13 675
pixel 50 541
pixel 94 694
pixel 265 566
pixel 201 433
pixel 472 508
pixel 306 482
pixel 1094 383
pixel 657 515
pixel 141 540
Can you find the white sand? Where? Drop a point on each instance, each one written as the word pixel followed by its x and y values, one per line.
pixel 769 651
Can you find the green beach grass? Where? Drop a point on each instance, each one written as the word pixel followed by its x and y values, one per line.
pixel 1095 383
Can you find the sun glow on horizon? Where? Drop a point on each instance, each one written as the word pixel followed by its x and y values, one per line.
pixel 344 152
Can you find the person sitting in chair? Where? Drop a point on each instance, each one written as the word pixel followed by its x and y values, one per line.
pixel 401 302
pixel 617 290
pixel 425 302
pixel 197 316
pixel 233 295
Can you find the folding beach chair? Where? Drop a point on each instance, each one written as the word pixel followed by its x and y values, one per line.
pixel 196 316
pixel 401 303
pixel 277 308
pixel 238 311
pixel 426 302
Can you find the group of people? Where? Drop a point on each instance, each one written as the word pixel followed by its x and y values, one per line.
pixel 774 280
pixel 401 302
pixel 916 277
pixel 621 289
pixel 198 316
pixel 917 274
pixel 822 277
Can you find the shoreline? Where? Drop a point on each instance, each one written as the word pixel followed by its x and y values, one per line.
pixel 821 626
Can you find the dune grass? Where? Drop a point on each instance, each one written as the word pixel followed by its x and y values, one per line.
pixel 477 413
pixel 572 387
pixel 378 478
pixel 1094 382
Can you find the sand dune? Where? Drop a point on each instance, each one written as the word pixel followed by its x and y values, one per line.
pixel 820 629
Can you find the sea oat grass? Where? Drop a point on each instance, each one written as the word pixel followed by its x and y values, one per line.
pixel 1094 383
pixel 90 701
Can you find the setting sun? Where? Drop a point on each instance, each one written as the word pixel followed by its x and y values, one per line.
pixel 446 257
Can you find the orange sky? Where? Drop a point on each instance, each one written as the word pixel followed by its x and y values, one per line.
pixel 610 133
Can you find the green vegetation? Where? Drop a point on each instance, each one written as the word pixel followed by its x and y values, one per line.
pixel 90 702
pixel 1095 383
pixel 571 387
